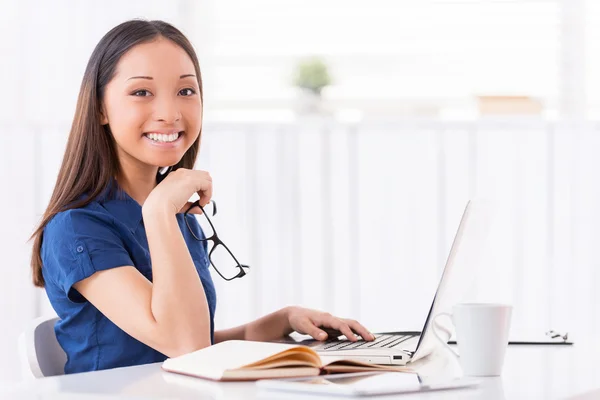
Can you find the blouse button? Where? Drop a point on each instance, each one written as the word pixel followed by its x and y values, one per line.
pixel 80 249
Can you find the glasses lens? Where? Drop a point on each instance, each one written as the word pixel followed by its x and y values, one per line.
pixel 204 223
pixel 223 261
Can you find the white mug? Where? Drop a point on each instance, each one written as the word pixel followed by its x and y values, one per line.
pixel 481 334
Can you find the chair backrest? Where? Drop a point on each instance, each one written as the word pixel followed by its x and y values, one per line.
pixel 40 352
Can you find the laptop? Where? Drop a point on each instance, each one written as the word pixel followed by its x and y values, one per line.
pixel 400 348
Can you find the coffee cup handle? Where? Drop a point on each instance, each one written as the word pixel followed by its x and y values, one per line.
pixel 435 327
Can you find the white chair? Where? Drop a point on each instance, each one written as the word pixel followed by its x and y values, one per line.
pixel 39 351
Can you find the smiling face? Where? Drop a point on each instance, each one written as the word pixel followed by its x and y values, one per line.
pixel 152 104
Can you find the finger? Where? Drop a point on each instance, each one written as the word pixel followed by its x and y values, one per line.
pixel 311 329
pixel 205 193
pixel 204 186
pixel 331 333
pixel 336 323
pixel 361 330
pixel 205 197
pixel 193 210
pixel 345 329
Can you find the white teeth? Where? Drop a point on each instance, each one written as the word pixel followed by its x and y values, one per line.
pixel 159 137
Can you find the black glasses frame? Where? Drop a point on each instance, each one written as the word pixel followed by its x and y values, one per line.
pixel 216 241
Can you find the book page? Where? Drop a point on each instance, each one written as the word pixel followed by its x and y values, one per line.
pixel 342 364
pixel 213 361
pixel 297 356
pixel 251 374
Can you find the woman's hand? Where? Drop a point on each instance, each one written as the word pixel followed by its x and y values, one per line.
pixel 316 323
pixel 176 189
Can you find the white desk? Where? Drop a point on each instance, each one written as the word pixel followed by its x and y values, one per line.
pixel 530 372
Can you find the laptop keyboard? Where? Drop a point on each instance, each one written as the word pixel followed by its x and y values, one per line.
pixel 380 342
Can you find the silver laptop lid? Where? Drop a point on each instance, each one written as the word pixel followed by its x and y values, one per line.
pixel 461 266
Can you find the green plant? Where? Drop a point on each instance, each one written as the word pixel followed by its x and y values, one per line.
pixel 313 75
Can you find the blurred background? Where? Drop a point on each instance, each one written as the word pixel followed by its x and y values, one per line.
pixel 344 139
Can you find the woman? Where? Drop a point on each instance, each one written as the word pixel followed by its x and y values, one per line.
pixel 119 263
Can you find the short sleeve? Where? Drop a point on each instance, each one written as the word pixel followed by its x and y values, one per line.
pixel 76 244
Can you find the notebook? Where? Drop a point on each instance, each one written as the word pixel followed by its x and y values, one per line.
pixel 242 360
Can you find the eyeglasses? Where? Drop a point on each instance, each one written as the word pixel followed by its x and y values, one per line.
pixel 230 267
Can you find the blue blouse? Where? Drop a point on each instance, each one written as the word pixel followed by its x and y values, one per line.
pixel 107 233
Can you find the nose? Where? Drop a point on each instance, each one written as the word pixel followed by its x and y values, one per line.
pixel 167 111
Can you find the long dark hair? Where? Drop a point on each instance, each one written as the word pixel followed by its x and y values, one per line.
pixel 90 159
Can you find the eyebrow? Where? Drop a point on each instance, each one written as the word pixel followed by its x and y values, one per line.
pixel 151 78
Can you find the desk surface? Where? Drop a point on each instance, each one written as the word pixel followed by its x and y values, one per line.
pixel 530 372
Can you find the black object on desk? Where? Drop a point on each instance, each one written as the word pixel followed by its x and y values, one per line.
pixel 551 338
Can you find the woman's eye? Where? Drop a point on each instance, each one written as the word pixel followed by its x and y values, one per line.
pixel 187 92
pixel 141 93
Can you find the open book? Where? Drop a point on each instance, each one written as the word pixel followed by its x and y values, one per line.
pixel 237 360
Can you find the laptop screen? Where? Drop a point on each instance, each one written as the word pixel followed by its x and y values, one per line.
pixel 461 266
